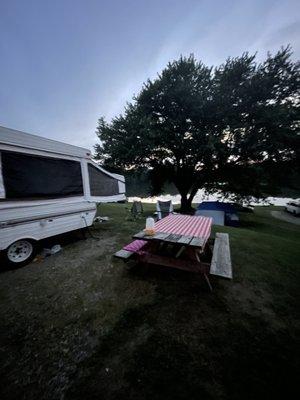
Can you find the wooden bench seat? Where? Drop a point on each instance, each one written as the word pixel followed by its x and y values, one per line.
pixel 130 249
pixel 221 260
pixel 124 254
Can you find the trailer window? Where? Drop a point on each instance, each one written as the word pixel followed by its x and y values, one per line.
pixel 30 176
pixel 102 184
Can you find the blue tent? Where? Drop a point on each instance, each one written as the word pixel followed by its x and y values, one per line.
pixel 222 213
pixel 217 205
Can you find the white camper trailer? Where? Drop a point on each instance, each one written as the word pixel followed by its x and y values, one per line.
pixel 47 188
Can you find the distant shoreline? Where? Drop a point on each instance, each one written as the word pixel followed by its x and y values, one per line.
pixel 200 196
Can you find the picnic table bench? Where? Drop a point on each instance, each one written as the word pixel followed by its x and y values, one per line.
pixel 181 241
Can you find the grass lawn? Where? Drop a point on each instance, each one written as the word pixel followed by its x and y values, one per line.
pixel 81 325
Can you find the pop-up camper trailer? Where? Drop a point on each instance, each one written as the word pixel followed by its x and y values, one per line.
pixel 47 188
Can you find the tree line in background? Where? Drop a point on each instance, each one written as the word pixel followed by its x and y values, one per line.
pixel 233 128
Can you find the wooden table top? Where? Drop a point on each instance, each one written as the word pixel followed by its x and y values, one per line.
pixel 186 230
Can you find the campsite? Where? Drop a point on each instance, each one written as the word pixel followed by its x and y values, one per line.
pixel 149 200
pixel 83 324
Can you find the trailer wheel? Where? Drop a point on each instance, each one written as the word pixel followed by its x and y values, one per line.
pixel 21 252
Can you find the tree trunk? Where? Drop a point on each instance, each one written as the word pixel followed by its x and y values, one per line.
pixel 186 204
pixel 187 188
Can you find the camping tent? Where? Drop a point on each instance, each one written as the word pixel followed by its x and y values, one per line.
pixel 222 213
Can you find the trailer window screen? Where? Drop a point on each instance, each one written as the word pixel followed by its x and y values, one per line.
pixel 102 184
pixel 30 176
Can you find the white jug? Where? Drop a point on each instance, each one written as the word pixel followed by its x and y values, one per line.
pixel 150 226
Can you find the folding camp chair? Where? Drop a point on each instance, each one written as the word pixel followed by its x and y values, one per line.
pixel 136 210
pixel 163 208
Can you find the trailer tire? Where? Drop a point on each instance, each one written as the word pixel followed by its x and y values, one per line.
pixel 21 252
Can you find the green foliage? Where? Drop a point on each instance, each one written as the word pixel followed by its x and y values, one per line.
pixel 143 183
pixel 232 128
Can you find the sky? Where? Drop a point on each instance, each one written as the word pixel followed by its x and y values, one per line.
pixel 66 63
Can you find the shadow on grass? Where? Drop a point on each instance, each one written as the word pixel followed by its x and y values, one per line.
pixel 139 360
pixel 177 280
pixel 251 224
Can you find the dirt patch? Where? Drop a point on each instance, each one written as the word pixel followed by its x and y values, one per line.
pixel 254 302
pixel 53 313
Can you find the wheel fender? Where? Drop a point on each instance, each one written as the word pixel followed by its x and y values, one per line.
pixel 32 238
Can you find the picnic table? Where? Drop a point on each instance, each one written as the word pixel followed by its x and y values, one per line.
pixel 181 241
pixel 186 236
pixel 182 229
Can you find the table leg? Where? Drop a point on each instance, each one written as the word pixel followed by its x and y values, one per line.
pixel 179 252
pixel 205 275
pixel 192 262
pixel 208 282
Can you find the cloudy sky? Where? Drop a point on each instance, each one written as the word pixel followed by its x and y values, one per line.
pixel 65 63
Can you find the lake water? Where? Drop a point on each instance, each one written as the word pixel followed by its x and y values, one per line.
pixel 201 196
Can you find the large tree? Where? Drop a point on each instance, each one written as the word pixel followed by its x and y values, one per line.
pixel 233 128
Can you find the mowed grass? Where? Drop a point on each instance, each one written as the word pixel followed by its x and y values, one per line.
pixel 156 333
pixel 239 342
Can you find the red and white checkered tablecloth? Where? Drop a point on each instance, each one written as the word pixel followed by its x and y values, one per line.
pixel 186 225
pixel 179 224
